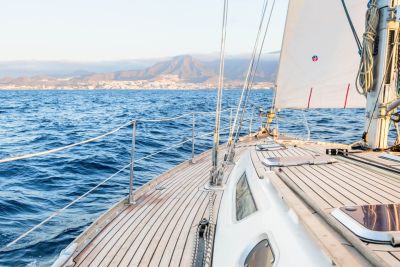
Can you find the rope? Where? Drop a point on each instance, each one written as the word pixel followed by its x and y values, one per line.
pixel 55 150
pixel 353 30
pixel 382 82
pixel 365 75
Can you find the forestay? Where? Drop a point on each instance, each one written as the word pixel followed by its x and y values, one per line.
pixel 319 57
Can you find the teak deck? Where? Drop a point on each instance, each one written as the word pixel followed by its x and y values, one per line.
pixel 159 229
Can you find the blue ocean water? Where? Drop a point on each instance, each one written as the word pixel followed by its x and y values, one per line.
pixel 33 121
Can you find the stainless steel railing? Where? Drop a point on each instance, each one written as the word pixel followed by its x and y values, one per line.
pixel 134 123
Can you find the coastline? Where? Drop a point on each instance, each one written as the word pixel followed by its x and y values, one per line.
pixel 130 89
pixel 263 86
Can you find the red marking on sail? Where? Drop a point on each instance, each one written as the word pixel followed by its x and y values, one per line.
pixel 309 98
pixel 347 95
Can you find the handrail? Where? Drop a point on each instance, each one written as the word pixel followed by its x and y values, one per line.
pixel 177 117
pixel 51 151
pixel 288 121
pixel 59 211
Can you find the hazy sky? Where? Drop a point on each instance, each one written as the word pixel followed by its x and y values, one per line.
pixel 88 30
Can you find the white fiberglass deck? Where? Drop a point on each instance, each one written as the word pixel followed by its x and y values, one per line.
pixel 343 183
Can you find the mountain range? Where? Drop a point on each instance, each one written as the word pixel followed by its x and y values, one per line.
pixel 185 71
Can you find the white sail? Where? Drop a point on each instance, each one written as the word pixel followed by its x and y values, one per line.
pixel 319 57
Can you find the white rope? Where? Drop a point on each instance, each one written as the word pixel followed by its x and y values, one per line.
pixel 386 71
pixel 365 74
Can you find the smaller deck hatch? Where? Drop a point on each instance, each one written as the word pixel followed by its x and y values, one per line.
pixel 270 146
pixel 298 160
pixel 373 223
pixel 391 157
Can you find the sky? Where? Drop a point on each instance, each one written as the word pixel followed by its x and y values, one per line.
pixel 95 30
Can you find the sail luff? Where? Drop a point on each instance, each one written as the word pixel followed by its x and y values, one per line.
pixel 280 56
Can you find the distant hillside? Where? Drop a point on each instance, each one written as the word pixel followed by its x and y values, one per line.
pixel 181 71
pixel 189 69
pixel 31 68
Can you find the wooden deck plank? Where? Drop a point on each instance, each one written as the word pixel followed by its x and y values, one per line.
pixel 395 254
pixel 350 187
pixel 103 238
pixel 388 258
pixel 371 185
pixel 326 187
pixel 142 226
pixel 329 240
pixel 128 244
pixel 164 228
pixel 136 212
pixel 156 247
pixel 137 218
pixel 322 187
pixel 177 241
pixel 307 188
pixel 183 250
pixel 159 230
pixel 375 156
pixel 389 182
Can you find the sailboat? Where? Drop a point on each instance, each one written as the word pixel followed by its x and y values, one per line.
pixel 273 200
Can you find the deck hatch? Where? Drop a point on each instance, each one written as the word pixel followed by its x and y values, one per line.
pixel 298 160
pixel 377 223
pixel 270 146
pixel 391 157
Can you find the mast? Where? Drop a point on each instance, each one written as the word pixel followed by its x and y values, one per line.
pixel 383 92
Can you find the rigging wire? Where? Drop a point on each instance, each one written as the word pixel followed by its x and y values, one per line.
pixel 249 71
pixel 353 30
pixel 249 85
pixel 214 157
